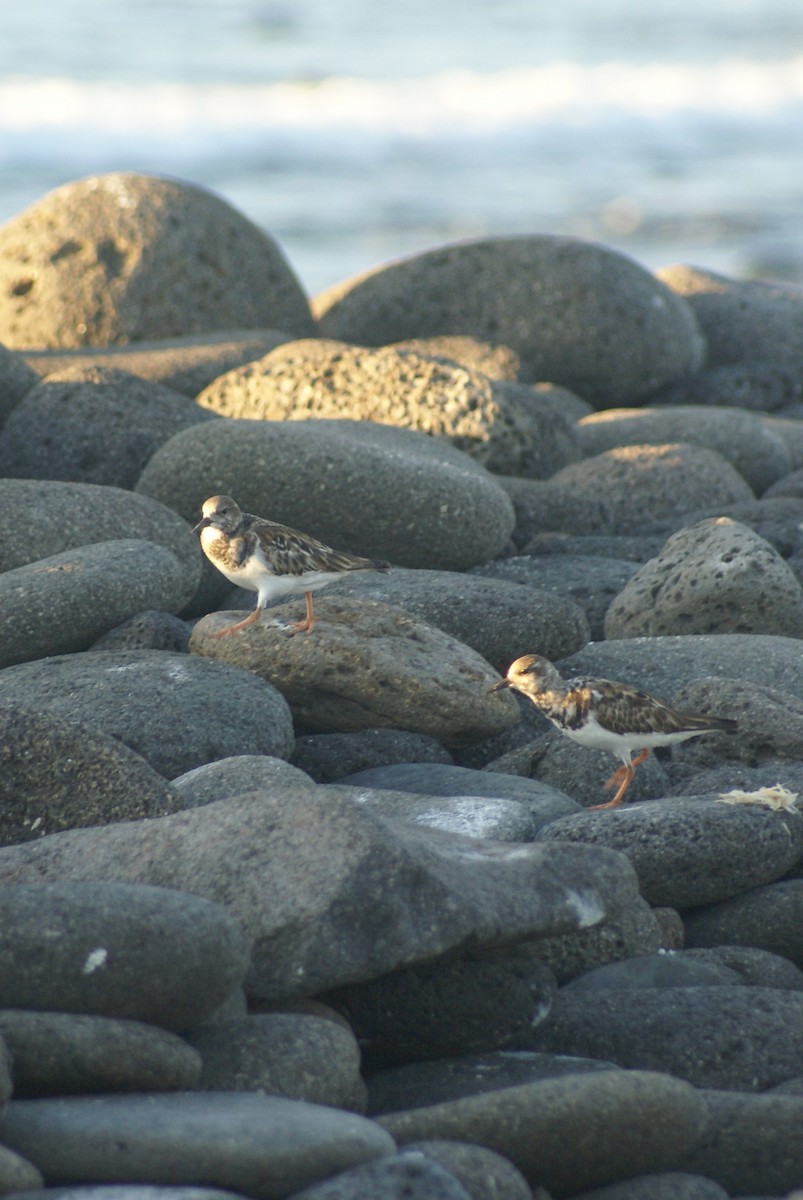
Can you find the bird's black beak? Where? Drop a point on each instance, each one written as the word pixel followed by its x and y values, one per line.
pixel 204 523
pixel 497 687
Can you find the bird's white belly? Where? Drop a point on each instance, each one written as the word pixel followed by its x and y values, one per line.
pixel 595 737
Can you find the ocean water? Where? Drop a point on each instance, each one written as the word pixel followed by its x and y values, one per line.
pixel 356 133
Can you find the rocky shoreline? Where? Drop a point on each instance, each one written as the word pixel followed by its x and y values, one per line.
pixel 321 915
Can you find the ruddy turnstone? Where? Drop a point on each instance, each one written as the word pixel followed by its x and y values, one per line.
pixel 271 560
pixel 605 715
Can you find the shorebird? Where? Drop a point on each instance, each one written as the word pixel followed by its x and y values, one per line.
pixel 604 715
pixel 270 559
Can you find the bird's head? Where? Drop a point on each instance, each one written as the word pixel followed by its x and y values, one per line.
pixel 221 512
pixel 531 673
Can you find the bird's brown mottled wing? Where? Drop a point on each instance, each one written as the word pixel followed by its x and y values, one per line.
pixel 290 552
pixel 625 709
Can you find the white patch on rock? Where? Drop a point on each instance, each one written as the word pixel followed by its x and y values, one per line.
pixel 94 960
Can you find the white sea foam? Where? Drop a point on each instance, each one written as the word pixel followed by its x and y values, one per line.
pixel 453 103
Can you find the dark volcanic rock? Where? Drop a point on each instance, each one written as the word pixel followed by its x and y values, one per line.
pixel 745 1039
pixel 558 1131
pixel 127 257
pixel 63 1053
pixel 296 1055
pixel 112 949
pixel 358 899
pixel 59 774
pixel 690 852
pixel 62 604
pixel 308 474
pixel 262 1146
pixel 92 425
pixel 158 704
pixel 577 314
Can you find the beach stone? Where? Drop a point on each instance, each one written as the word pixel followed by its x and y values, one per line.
pixel 447 1008
pixel 589 581
pixel 768 917
pixel 112 949
pixel 543 804
pixel 409 1176
pixel 744 1039
pixel 669 1185
pixel 131 1191
pixel 232 776
pixel 633 929
pixel 147 630
pixel 643 484
pixel 295 1055
pixel 543 504
pixel 775 518
pixel 215 710
pixel 16 380
pixel 127 257
pixel 508 427
pixel 18 1176
pixel 787 426
pixel 555 762
pixel 484 1174
pixel 62 604
pixel 770 727
pixel 557 1131
pixel 741 320
pixel 790 485
pixel 185 364
pixel 6 1084
pixel 752 1145
pixel 496 820
pixel 691 852
pixel 426 1083
pixel 713 577
pixel 359 899
pixel 755 968
pixel 260 1146
pixel 667 969
pixel 59 774
pixel 632 548
pixel 493 617
pixel 64 516
pixel 327 757
pixel 663 665
pixel 55 431
pixel 758 454
pixel 577 314
pixel 758 385
pixel 493 359
pixel 422 503
pixel 65 1053
pixel 370 664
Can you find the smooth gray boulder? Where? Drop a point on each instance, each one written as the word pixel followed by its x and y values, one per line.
pixel 59 774
pixel 716 576
pixel 127 257
pixel 116 949
pixel 92 424
pixel 358 899
pixel 381 492
pixel 260 1146
pixel 62 604
pixel 576 313
pixel 177 711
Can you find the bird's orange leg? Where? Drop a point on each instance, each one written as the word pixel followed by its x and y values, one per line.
pixel 308 624
pixel 251 619
pixel 623 776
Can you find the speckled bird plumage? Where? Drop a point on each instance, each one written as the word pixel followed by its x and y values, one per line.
pixel 271 559
pixel 604 715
